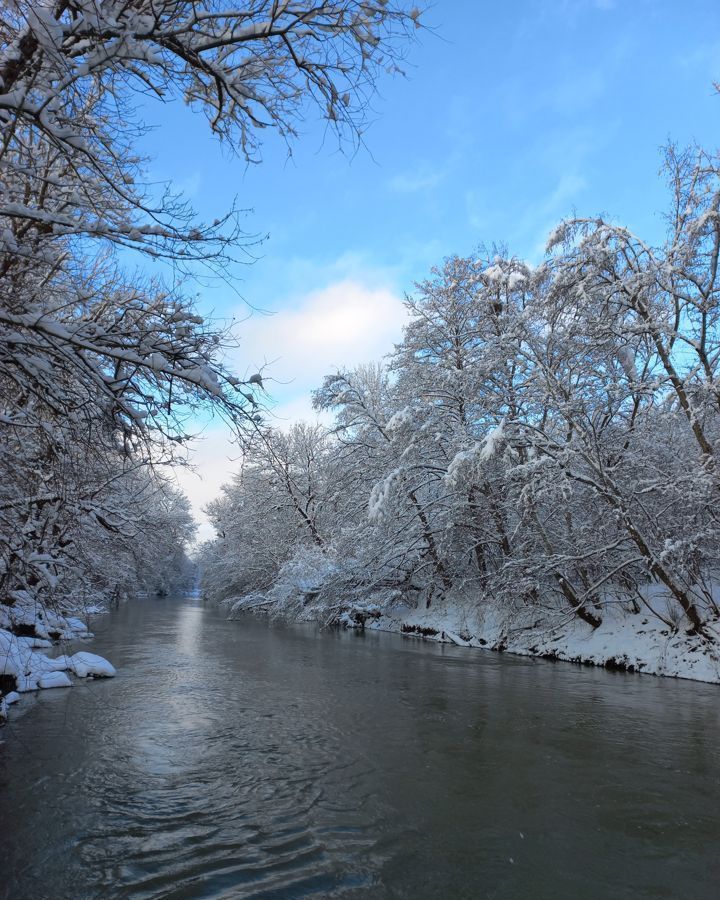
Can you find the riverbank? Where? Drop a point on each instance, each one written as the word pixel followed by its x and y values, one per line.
pixel 640 642
pixel 623 643
pixel 28 632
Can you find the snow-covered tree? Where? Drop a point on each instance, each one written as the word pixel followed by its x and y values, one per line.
pixel 100 369
pixel 544 439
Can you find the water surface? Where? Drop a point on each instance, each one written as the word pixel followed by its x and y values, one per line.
pixel 245 760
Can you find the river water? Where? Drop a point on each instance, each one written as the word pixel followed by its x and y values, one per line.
pixel 248 760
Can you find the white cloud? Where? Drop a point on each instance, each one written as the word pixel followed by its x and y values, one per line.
pixel 299 409
pixel 341 325
pixel 190 185
pixel 422 178
pixel 214 459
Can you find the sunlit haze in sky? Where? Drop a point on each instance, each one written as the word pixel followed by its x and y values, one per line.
pixel 510 117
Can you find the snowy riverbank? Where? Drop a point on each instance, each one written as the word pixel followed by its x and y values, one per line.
pixel 27 633
pixel 634 643
pixel 639 642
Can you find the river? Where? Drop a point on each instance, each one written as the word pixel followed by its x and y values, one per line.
pixel 249 760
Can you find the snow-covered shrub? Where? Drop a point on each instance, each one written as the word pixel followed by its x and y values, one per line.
pixel 298 587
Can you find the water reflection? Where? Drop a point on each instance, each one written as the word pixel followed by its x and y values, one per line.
pixel 189 625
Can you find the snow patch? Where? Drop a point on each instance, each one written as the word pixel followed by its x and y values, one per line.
pixel 54 680
pixel 634 643
pixel 88 664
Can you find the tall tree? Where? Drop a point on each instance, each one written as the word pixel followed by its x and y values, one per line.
pixel 100 369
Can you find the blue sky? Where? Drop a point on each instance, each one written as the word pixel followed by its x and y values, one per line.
pixel 511 116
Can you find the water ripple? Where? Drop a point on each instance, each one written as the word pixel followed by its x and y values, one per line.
pixel 237 761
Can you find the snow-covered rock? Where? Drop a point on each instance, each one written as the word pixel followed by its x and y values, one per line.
pixel 88 664
pixel 54 680
pixel 27 630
